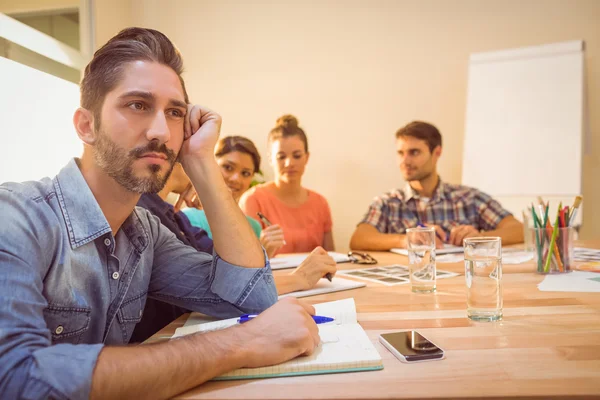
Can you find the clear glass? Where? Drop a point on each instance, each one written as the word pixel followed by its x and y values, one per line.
pixel 421 258
pixel 483 273
pixel 560 259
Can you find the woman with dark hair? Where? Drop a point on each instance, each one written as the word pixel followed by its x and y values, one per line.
pixel 239 161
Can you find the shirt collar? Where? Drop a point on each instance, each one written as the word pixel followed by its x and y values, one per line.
pixel 83 217
pixel 439 192
pixel 409 193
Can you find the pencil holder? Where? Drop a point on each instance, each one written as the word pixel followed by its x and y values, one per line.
pixel 553 250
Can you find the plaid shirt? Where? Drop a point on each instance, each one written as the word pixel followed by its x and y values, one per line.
pixel 450 205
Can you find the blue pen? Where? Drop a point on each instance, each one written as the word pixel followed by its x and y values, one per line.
pixel 317 318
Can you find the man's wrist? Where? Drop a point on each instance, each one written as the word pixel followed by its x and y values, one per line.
pixel 243 348
pixel 204 173
pixel 402 241
pixel 194 162
pixel 297 282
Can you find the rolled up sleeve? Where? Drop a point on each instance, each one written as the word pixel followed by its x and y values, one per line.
pixel 206 283
pixel 489 210
pixel 31 367
pixel 377 215
pixel 252 288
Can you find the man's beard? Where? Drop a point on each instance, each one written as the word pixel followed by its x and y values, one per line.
pixel 117 163
pixel 420 176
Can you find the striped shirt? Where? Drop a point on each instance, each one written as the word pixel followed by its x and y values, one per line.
pixel 450 206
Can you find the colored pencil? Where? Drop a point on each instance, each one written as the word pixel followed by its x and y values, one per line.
pixel 536 225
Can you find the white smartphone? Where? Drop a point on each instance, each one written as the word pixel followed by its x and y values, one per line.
pixel 411 346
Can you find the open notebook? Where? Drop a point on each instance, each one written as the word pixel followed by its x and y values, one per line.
pixel 448 249
pixel 345 347
pixel 293 261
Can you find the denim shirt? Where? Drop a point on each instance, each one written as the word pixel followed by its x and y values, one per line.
pixel 68 287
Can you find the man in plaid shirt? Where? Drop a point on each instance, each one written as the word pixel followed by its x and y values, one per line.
pixel 457 212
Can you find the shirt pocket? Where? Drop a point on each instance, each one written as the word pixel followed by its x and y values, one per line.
pixel 67 324
pixel 130 314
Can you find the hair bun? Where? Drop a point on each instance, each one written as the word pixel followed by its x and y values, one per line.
pixel 287 121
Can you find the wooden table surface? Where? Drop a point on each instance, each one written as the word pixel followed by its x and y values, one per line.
pixel 547 345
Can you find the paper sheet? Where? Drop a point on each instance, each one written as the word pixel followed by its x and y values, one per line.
pixel 448 249
pixel 583 254
pixel 508 257
pixel 324 286
pixel 295 260
pixel 390 275
pixel 576 281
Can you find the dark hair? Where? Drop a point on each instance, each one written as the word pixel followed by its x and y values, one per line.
pixel 244 145
pixel 287 126
pixel 105 70
pixel 422 130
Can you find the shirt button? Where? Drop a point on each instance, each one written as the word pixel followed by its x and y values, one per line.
pixel 115 275
pixel 59 330
pixel 107 242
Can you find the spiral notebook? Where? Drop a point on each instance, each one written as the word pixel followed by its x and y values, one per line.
pixel 344 347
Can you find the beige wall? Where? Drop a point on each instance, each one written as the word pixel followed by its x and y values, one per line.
pixel 110 17
pixel 355 71
pixel 57 26
pixel 37 6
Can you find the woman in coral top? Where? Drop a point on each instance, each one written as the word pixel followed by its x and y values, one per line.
pixel 300 218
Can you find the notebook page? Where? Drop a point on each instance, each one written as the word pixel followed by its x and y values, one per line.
pixel 342 347
pixel 199 318
pixel 343 311
pixel 205 327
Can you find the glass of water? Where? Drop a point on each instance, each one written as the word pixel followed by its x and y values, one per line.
pixel 421 257
pixel 483 273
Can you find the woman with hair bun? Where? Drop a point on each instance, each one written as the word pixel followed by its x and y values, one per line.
pixel 300 218
pixel 239 161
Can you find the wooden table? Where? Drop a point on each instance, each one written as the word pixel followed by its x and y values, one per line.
pixel 547 345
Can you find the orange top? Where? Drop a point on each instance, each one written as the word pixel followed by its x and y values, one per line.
pixel 304 227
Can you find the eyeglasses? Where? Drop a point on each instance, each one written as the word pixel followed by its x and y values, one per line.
pixel 361 258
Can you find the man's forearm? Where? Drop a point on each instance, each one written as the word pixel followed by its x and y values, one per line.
pixel 368 238
pixel 227 222
pixel 166 369
pixel 510 234
pixel 287 283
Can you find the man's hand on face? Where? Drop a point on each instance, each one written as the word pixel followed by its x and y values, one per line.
pixel 201 133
